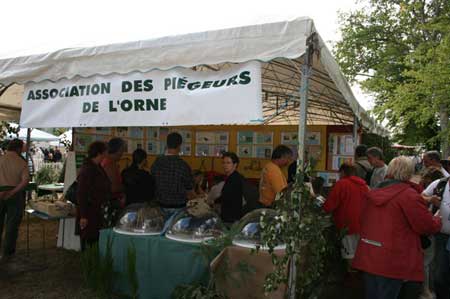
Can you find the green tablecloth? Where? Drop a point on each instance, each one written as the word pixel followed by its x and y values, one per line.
pixel 162 264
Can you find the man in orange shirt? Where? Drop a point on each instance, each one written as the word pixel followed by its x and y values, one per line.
pixel 272 178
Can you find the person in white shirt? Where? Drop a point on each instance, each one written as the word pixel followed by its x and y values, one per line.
pixel 433 159
pixel 441 273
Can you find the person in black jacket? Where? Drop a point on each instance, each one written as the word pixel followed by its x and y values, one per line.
pixel 139 184
pixel 232 191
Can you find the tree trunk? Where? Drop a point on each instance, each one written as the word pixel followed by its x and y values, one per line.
pixel 443 117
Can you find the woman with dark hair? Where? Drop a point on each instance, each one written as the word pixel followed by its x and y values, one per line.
pixel 139 184
pixel 93 191
pixel 233 189
pixel 116 148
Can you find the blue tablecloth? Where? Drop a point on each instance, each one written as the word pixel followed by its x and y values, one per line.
pixel 162 264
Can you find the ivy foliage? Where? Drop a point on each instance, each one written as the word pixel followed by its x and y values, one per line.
pixel 301 225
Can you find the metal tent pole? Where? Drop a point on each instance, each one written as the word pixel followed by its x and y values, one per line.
pixel 355 132
pixel 306 73
pixel 28 192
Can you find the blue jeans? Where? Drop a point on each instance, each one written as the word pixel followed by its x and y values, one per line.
pixel 380 287
pixel 441 273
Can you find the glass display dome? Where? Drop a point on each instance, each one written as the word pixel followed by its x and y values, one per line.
pixel 140 219
pixel 249 228
pixel 195 227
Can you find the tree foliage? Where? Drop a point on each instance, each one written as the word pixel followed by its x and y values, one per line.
pixel 399 51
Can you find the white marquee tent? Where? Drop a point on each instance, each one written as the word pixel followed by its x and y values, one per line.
pixel 281 48
pixel 36 135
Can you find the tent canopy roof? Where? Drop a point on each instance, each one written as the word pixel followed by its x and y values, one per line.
pixel 280 46
pixel 36 135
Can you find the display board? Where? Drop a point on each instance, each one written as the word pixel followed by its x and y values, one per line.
pixel 202 145
pixel 340 150
pixel 329 178
pixel 211 143
pixel 252 144
pixel 313 144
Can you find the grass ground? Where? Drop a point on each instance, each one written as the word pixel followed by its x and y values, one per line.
pixel 48 274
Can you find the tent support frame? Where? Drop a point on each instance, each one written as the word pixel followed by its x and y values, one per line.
pixel 304 87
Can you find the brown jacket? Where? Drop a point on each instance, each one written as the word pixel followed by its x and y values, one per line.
pixel 94 189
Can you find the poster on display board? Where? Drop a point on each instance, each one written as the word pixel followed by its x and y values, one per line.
pixel 255 144
pixel 176 97
pixel 211 143
pixel 82 142
pixel 329 178
pixel 136 133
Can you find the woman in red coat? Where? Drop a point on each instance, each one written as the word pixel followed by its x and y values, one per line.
pixel 94 189
pixel 345 202
pixel 392 220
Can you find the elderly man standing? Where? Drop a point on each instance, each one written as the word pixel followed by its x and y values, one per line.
pixel 376 159
pixel 272 178
pixel 433 159
pixel 13 175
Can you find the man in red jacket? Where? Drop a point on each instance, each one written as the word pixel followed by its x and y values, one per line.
pixel 392 220
pixel 345 202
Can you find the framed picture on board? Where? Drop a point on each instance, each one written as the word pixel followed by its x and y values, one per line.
pixel 263 151
pixel 264 137
pixel 204 137
pixel 152 133
pixel 222 137
pixel 202 150
pixel 186 150
pixel 245 137
pixel 153 147
pixel 218 150
pixel 122 132
pixel 313 138
pixel 136 132
pixel 82 142
pixel 245 151
pixel 289 138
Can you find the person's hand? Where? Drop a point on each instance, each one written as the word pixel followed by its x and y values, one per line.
pixel 435 200
pixel 83 223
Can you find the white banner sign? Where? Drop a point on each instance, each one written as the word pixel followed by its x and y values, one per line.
pixel 158 98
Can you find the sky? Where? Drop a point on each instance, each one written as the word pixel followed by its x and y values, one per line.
pixel 33 27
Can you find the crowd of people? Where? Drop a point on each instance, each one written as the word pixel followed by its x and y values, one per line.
pixel 396 227
pixel 103 191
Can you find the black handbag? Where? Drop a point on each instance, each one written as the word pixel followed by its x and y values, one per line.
pixel 71 193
